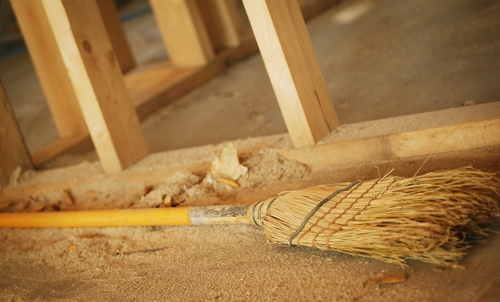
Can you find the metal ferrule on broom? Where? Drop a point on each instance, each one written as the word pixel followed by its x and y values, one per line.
pixel 178 216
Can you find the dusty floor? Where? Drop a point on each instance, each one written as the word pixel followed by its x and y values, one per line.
pixel 226 263
pixel 231 263
pixel 400 57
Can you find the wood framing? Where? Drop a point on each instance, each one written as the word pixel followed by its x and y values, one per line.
pixel 96 77
pixel 223 23
pixel 183 32
pixel 477 141
pixel 114 28
pixel 293 69
pixel 154 85
pixel 13 149
pixel 410 144
pixel 49 66
pixel 72 144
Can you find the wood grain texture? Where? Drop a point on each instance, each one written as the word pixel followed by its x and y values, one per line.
pixel 13 150
pixel 75 144
pixel 49 66
pixel 116 35
pixel 421 142
pixel 223 23
pixel 152 87
pixel 476 143
pixel 156 84
pixel 291 63
pixel 183 32
pixel 97 80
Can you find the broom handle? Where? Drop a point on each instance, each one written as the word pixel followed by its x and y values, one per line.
pixel 210 215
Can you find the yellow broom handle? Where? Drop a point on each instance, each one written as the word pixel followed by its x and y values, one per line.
pixel 232 214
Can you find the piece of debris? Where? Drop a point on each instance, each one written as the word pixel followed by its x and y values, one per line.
pixel 37 208
pixel 67 197
pixel 458 266
pixel 20 176
pixel 382 278
pixel 227 165
pixel 267 164
pixel 393 279
pixel 91 235
pixel 147 189
pixel 228 182
pixel 143 251
pixel 92 195
pixel 72 247
pixel 225 172
pixel 172 193
pixel 468 103
pixel 167 201
pixel 5 205
pixel 14 176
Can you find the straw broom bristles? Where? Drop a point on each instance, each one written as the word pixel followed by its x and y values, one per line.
pixel 431 217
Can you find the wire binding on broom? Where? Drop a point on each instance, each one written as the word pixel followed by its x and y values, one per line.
pixel 431 217
pixel 317 207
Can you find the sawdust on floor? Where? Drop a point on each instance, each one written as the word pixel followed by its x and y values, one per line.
pixel 226 263
pixel 234 263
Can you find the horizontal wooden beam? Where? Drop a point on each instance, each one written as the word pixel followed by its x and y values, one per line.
pixel 74 144
pixel 472 135
pixel 156 85
pixel 476 142
pixel 448 130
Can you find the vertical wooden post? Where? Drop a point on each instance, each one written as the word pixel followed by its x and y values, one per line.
pixel 13 150
pixel 111 19
pixel 96 77
pixel 183 32
pixel 222 21
pixel 291 63
pixel 49 66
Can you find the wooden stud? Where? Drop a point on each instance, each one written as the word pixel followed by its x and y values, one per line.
pixel 291 63
pixel 49 66
pixel 222 22
pixel 13 149
pixel 111 19
pixel 154 85
pixel 96 77
pixel 183 32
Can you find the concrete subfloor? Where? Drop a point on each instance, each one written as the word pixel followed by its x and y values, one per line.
pixel 380 59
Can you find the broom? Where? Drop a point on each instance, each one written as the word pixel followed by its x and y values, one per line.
pixel 431 217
